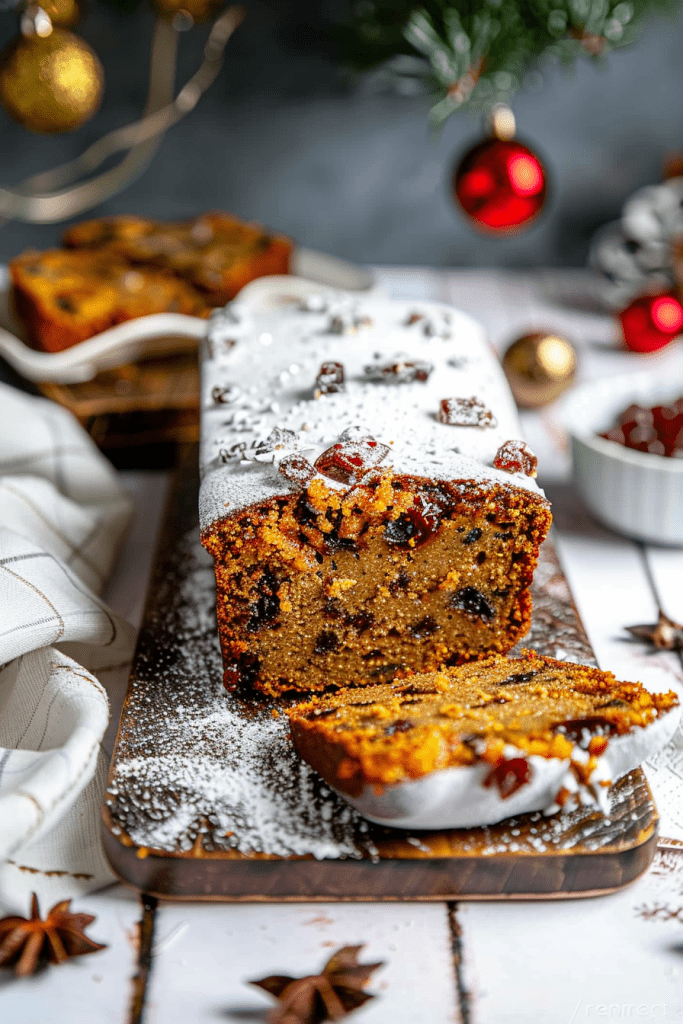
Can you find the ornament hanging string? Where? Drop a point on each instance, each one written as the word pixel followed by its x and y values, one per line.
pixel 44 198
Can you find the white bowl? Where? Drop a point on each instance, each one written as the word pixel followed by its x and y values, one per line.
pixel 632 492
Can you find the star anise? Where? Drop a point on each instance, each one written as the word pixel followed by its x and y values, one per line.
pixel 330 995
pixel 26 943
pixel 665 634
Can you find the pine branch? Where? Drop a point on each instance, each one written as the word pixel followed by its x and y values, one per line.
pixel 478 52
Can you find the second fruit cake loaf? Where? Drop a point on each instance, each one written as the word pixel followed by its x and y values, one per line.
pixel 364 495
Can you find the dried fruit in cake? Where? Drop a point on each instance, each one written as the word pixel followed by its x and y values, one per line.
pixel 392 573
pixel 215 252
pixel 66 297
pixel 380 544
pixel 512 720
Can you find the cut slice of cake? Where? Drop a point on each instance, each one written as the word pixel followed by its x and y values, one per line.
pixel 67 297
pixel 361 496
pixel 215 252
pixel 473 745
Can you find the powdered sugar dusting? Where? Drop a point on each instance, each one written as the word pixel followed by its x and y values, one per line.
pixel 198 766
pixel 223 771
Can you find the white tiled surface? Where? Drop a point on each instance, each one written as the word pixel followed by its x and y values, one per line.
pixel 548 962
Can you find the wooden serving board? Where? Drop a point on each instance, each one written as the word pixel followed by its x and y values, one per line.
pixel 206 798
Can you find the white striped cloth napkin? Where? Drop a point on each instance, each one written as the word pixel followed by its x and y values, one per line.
pixel 62 516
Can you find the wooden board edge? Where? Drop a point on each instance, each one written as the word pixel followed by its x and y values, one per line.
pixel 527 876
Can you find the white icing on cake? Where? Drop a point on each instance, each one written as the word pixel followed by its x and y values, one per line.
pixel 263 357
pixel 458 798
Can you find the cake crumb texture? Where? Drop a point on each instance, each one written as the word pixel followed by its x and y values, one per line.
pixel 455 717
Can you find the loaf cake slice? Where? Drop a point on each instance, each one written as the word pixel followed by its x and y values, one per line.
pixel 215 252
pixel 471 745
pixel 66 297
pixel 364 495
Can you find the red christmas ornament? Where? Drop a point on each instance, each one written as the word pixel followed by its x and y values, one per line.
pixel 501 184
pixel 651 322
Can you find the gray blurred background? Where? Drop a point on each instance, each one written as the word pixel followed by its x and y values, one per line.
pixel 288 138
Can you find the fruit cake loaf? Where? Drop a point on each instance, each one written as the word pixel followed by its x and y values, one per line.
pixel 66 297
pixel 363 494
pixel 215 252
pixel 472 745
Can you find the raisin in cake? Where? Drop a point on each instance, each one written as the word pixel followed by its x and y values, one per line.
pixel 472 745
pixel 359 496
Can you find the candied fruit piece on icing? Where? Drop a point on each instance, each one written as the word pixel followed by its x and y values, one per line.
pixel 348 461
pixel 355 433
pixel 347 322
pixel 400 369
pixel 516 457
pixel 224 394
pixel 235 451
pixel 330 379
pixel 278 439
pixel 465 412
pixel 297 469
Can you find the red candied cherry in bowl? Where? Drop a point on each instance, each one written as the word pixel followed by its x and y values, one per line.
pixel 627 446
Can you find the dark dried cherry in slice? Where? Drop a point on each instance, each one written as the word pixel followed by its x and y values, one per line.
pixel 400 725
pixel 326 641
pixel 425 627
pixel 473 602
pixel 509 776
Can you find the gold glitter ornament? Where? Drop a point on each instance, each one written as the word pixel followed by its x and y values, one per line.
pixel 50 79
pixel 62 13
pixel 539 367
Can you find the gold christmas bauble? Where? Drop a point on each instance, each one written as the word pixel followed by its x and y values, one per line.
pixel 198 10
pixel 63 13
pixel 51 83
pixel 539 367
